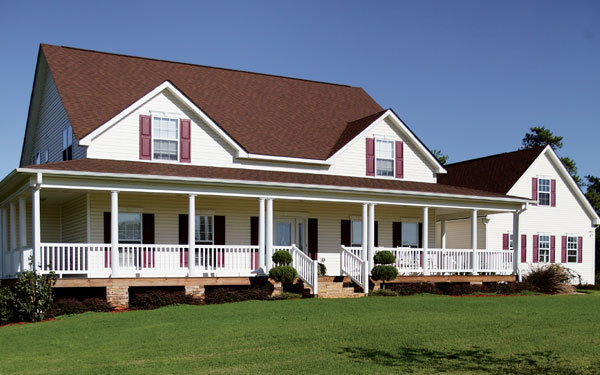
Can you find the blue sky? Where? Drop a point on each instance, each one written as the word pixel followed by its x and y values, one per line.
pixel 469 77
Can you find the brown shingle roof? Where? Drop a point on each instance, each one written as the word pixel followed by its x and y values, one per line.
pixel 265 114
pixel 495 173
pixel 178 170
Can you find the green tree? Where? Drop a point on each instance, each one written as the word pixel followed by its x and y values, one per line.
pixel 540 136
pixel 440 156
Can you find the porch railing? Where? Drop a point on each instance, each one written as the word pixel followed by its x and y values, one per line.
pixel 306 267
pixel 236 260
pixel 354 267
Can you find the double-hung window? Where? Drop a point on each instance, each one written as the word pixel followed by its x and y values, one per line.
pixel 544 191
pixel 204 230
pixel 67 143
pixel 410 234
pixel 384 158
pixel 572 249
pixel 130 228
pixel 544 249
pixel 356 235
pixel 510 241
pixel 165 132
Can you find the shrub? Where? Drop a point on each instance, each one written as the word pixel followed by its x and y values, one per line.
pixel 461 289
pixel 589 287
pixel 6 306
pixel 153 299
pixel 384 272
pixel 66 306
pixel 33 296
pixel 283 274
pixel 285 295
pixel 384 293
pixel 384 257
pixel 282 258
pixel 409 289
pixel 550 279
pixel 228 294
pixel 506 288
pixel 322 270
pixel 97 305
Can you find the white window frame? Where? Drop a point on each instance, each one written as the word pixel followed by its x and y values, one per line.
pixel 155 138
pixel 352 231
pixel 574 248
pixel 548 192
pixel 393 158
pixel 416 246
pixel 510 241
pixel 197 239
pixel 132 241
pixel 546 256
pixel 67 141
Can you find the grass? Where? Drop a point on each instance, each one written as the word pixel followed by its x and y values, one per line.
pixel 423 334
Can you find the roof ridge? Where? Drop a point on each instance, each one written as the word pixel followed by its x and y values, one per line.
pixel 202 66
pixel 495 155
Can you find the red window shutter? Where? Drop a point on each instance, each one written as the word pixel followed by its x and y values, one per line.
pixel 563 249
pixel 552 248
pixel 370 157
pixel 579 249
pixel 185 141
pixel 553 193
pixel 313 239
pixel 534 187
pixel 399 159
pixel 145 138
pixel 536 252
pixel 345 232
pixel 523 248
pixel 505 240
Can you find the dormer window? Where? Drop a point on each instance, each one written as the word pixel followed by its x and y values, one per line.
pixel 67 143
pixel 384 158
pixel 544 191
pixel 166 138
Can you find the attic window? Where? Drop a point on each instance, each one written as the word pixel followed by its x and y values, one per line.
pixel 166 138
pixel 67 149
pixel 384 158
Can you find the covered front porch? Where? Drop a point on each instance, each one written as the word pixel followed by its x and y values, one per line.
pixel 98 230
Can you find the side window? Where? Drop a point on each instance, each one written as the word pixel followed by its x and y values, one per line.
pixel 37 158
pixel 67 149
pixel 510 241
pixel 130 228
pixel 204 230
pixel 572 249
pixel 356 235
pixel 544 249
pixel 410 234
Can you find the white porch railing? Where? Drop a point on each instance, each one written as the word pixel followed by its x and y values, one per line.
pixel 496 261
pixel 354 267
pixel 449 260
pixel 231 260
pixel 306 267
pixel 75 258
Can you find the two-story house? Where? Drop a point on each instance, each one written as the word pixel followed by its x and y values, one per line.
pixel 140 172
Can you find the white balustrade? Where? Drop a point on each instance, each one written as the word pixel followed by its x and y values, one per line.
pixel 306 267
pixel 495 261
pixel 226 259
pixel 75 258
pixel 353 266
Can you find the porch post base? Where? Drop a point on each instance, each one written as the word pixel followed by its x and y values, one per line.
pixel 195 291
pixel 118 296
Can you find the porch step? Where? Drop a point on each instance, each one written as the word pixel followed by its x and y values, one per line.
pixel 338 287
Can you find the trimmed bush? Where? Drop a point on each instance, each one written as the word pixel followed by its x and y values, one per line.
pixel 384 293
pixel 410 289
pixel 6 306
pixel 153 299
pixel 33 296
pixel 67 306
pixel 549 279
pixel 322 270
pixel 97 305
pixel 282 258
pixel 384 273
pixel 228 294
pixel 384 257
pixel 283 274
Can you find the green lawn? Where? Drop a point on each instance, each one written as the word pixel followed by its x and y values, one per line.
pixel 374 335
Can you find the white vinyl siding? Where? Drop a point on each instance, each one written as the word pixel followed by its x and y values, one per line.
pixel 74 220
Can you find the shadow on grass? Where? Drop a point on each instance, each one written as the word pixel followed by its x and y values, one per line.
pixel 474 360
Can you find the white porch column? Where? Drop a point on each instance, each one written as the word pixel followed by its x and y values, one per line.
pixel 23 233
pixel 35 227
pixel 425 240
pixel 365 231
pixel 443 234
pixel 371 238
pixel 192 235
pixel 14 262
pixel 261 235
pixel 474 241
pixel 269 235
pixel 516 244
pixel 114 233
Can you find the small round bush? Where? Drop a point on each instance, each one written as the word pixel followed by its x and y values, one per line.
pixel 282 258
pixel 384 273
pixel 384 257
pixel 283 274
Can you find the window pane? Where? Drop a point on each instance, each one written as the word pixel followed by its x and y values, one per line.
pixel 204 229
pixel 544 249
pixel 410 234
pixel 384 149
pixel 385 167
pixel 356 233
pixel 130 227
pixel 165 150
pixel 284 234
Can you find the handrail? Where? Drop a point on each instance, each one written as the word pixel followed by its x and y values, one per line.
pixel 307 268
pixel 355 268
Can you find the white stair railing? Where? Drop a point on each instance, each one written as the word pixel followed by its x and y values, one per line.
pixel 354 267
pixel 306 267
